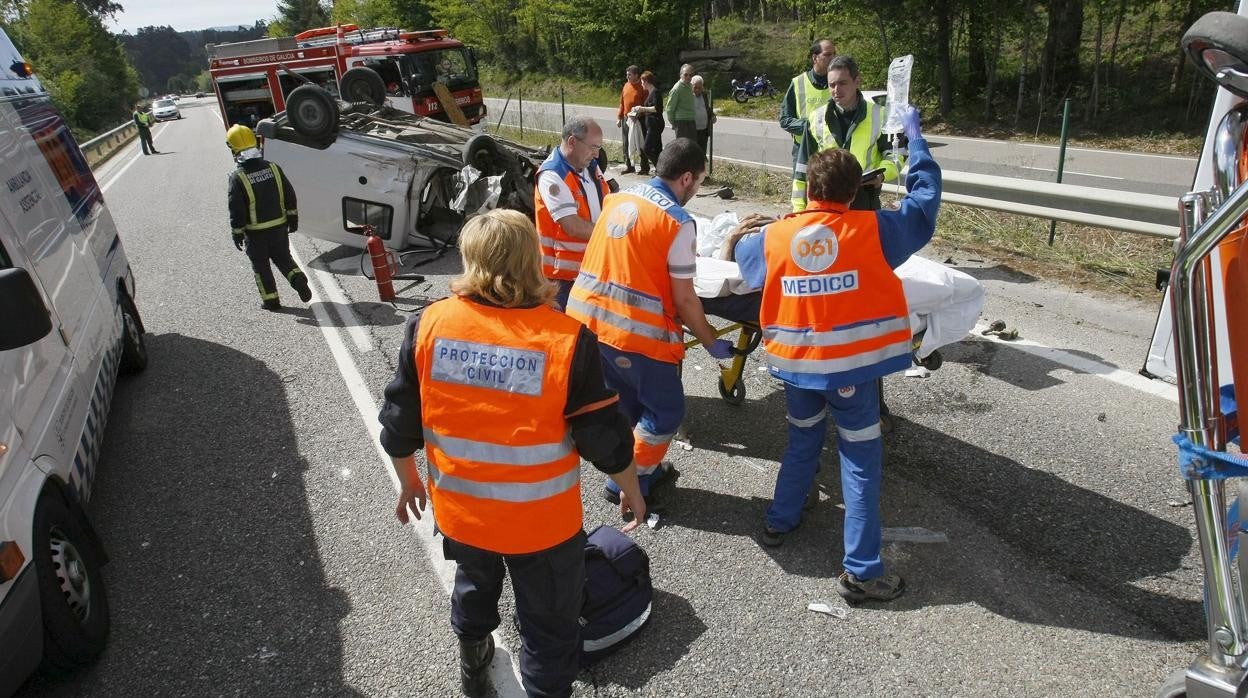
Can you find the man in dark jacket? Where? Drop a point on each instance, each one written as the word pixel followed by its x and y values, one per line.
pixel 263 211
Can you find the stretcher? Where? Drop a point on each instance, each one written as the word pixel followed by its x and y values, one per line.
pixel 944 306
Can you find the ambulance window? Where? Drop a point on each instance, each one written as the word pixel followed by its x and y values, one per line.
pixel 357 213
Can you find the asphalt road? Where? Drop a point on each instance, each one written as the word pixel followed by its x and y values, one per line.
pixel 752 141
pixel 249 515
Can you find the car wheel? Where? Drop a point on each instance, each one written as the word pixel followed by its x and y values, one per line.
pixel 72 598
pixel 362 85
pixel 312 111
pixel 133 345
pixel 480 152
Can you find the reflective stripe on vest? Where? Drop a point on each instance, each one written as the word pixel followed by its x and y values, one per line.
pixel 507 491
pixel 831 303
pixel 504 474
pixel 865 132
pixel 562 253
pixel 255 225
pixel 808 97
pixel 624 291
pixel 485 452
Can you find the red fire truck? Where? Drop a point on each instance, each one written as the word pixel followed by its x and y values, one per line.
pixel 251 84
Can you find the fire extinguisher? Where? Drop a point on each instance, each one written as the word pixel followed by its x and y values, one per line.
pixel 382 260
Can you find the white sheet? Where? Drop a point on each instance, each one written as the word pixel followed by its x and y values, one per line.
pixel 944 301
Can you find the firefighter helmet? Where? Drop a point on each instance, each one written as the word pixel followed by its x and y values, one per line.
pixel 240 138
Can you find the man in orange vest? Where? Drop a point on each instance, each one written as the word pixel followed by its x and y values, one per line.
pixel 506 396
pixel 634 291
pixel 834 320
pixel 567 200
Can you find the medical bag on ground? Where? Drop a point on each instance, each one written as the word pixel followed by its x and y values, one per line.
pixel 618 593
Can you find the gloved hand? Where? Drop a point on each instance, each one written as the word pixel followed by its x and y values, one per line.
pixel 238 241
pixel 720 349
pixel 292 224
pixel 910 122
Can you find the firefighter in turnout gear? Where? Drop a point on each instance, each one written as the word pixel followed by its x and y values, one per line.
pixel 263 212
pixel 834 320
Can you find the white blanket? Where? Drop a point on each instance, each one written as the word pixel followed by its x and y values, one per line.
pixel 943 301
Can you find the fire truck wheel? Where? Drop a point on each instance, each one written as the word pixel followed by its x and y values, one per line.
pixel 362 85
pixel 1212 39
pixel 480 151
pixel 312 111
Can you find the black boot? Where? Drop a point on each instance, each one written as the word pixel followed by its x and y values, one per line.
pixel 474 664
pixel 300 282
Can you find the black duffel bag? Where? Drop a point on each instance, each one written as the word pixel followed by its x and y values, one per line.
pixel 618 593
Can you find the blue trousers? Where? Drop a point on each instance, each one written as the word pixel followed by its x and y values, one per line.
pixel 652 398
pixel 561 295
pixel 549 587
pixel 856 410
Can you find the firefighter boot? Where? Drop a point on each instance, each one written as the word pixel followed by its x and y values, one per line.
pixel 474 664
pixel 299 281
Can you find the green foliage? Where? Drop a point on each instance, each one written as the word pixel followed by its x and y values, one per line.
pixel 295 16
pixel 81 64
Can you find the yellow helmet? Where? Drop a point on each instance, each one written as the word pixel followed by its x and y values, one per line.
pixel 240 138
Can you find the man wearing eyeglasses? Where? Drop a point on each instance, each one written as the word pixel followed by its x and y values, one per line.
pixel 567 200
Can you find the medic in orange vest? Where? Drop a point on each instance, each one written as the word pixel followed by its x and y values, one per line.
pixel 634 291
pixel 567 200
pixel 834 320
pixel 506 396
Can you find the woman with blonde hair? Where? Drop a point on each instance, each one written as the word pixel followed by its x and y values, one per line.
pixel 491 381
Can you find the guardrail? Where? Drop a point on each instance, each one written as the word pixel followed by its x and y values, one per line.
pixel 1131 212
pixel 100 148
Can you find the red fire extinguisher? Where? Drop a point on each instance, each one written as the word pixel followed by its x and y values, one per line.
pixel 382 261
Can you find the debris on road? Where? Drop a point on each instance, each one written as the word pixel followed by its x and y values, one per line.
pixel 1001 330
pixel 828 609
pixel 652 520
pixel 914 534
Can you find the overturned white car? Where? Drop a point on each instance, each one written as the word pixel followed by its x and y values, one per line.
pixel 362 168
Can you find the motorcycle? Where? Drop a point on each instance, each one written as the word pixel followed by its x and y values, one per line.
pixel 743 90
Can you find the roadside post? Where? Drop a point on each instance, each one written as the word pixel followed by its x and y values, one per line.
pixel 710 135
pixel 506 104
pixel 1061 158
pixel 563 116
pixel 520 99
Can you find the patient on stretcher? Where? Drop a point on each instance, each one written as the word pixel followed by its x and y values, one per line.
pixel 944 303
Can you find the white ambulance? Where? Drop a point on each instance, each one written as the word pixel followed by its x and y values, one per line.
pixel 68 326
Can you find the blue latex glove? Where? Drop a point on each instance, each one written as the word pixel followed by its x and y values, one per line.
pixel 910 122
pixel 720 349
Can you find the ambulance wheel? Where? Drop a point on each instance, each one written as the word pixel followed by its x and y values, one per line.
pixel 133 346
pixel 736 396
pixel 71 591
pixel 362 85
pixel 480 152
pixel 312 111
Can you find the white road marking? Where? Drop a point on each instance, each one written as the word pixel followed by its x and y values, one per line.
pixel 1084 365
pixel 504 673
pixel 1071 172
pixel 350 320
pixel 104 187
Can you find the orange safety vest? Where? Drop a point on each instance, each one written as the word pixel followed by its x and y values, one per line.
pixel 503 472
pixel 562 253
pixel 624 291
pixel 833 313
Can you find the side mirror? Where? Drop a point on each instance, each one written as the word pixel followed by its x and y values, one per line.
pixel 24 319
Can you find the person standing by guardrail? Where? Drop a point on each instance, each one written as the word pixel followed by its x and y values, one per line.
pixel 834 319
pixel 807 91
pixel 703 114
pixel 650 114
pixel 680 105
pixel 143 119
pixel 632 95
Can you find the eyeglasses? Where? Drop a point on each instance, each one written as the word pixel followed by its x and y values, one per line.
pixel 593 146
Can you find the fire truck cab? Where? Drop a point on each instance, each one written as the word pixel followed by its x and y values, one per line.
pixel 253 78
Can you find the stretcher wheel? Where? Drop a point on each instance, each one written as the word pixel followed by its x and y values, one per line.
pixel 933 361
pixel 736 396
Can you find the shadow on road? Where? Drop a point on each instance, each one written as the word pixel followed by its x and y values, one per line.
pixel 1014 366
pixel 667 637
pixel 999 272
pixel 1109 548
pixel 215 579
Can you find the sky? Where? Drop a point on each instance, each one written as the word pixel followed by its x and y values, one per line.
pixel 189 15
